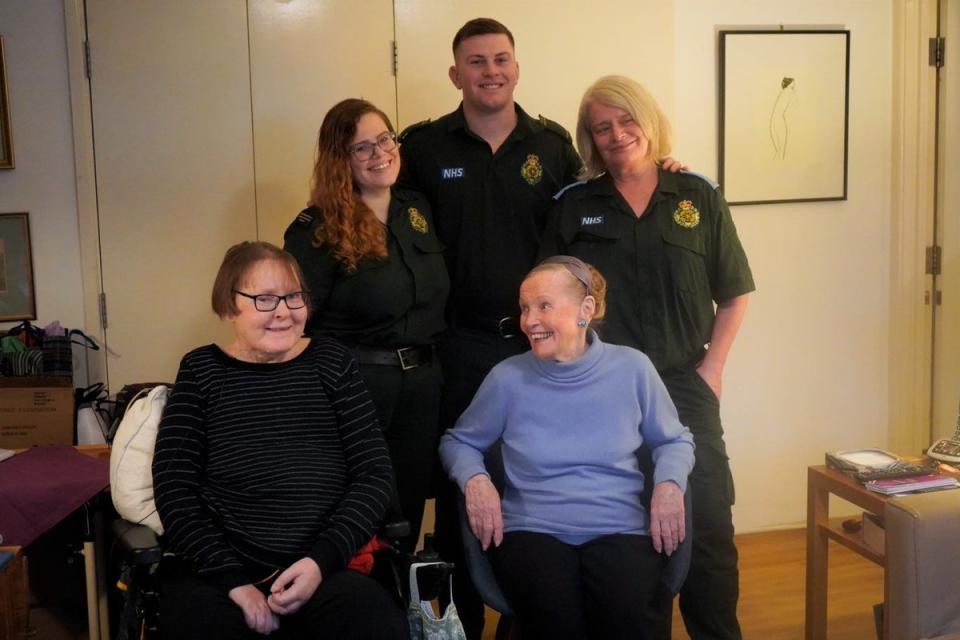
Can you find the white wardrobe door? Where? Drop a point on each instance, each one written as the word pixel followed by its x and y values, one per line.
pixel 174 157
pixel 306 57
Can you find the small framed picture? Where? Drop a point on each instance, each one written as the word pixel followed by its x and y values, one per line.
pixel 6 133
pixel 17 300
pixel 784 99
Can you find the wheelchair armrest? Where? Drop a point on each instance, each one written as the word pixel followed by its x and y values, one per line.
pixel 478 565
pixel 677 567
pixel 395 529
pixel 136 543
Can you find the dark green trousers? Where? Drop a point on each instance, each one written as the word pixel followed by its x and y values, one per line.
pixel 708 599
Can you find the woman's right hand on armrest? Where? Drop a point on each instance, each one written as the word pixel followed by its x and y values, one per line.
pixel 256 612
pixel 483 510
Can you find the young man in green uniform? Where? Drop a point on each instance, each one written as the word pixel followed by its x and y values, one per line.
pixel 490 172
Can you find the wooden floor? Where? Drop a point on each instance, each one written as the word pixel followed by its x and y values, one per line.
pixel 772 569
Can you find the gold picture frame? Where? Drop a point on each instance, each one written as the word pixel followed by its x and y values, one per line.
pixel 17 298
pixel 6 130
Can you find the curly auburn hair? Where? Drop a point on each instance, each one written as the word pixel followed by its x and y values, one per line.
pixel 346 223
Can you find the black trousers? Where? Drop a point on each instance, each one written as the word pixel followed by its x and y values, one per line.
pixel 607 589
pixel 467 357
pixel 346 606
pixel 408 403
pixel 708 599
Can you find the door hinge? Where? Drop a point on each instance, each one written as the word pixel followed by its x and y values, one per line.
pixel 937 297
pixel 934 255
pixel 103 310
pixel 395 64
pixel 87 62
pixel 937 52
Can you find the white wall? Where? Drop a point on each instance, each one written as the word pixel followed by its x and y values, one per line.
pixel 809 370
pixel 43 181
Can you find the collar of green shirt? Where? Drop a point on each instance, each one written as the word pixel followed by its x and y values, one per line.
pixel 525 124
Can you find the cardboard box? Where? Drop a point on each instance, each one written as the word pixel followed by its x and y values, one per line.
pixel 35 411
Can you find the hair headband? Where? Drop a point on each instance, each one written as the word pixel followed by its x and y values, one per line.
pixel 577 268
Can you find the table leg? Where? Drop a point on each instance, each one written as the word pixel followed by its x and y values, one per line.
pixel 90 572
pixel 100 563
pixel 818 516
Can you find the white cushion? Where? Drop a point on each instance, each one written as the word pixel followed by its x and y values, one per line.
pixel 131 459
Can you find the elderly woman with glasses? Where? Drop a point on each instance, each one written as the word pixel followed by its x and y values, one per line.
pixel 377 281
pixel 270 472
pixel 575 550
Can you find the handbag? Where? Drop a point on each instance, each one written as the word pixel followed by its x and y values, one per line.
pixel 80 347
pixel 423 622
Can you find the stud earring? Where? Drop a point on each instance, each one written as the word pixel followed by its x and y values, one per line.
pixel 581 323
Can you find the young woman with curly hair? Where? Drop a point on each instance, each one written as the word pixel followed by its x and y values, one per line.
pixel 376 277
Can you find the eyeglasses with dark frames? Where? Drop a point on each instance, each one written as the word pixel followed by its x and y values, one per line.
pixel 269 302
pixel 364 150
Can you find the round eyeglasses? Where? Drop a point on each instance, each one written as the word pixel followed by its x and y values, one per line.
pixel 363 151
pixel 268 302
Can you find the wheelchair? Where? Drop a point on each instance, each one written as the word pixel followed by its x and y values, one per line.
pixel 138 553
pixel 481 571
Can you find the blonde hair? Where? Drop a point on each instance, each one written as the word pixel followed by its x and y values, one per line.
pixel 576 287
pixel 629 95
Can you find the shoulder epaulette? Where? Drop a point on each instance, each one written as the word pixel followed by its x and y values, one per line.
pixel 578 183
pixel 304 218
pixel 413 128
pixel 556 128
pixel 713 185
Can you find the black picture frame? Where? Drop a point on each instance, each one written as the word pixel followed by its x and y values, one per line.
pixel 784 98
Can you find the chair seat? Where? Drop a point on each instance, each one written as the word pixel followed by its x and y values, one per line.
pixel 923 562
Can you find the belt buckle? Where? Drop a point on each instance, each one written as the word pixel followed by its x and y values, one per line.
pixel 505 332
pixel 404 365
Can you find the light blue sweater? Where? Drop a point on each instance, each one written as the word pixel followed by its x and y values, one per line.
pixel 570 435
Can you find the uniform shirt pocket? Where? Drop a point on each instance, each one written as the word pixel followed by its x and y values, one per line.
pixel 687 253
pixel 594 245
pixel 428 243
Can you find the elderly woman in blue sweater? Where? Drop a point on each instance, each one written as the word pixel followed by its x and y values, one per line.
pixel 573 547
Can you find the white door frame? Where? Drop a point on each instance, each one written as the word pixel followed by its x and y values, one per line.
pixel 86 179
pixel 912 191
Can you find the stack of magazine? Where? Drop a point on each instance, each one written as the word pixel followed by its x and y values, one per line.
pixel 917 484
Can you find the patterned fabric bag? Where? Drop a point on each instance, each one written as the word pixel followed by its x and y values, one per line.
pixel 424 624
pixel 57 356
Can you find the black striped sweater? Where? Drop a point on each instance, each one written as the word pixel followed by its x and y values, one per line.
pixel 259 465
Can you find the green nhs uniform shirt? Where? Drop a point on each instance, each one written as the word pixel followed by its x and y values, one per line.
pixel 664 270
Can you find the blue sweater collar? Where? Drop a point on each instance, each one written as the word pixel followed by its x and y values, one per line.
pixel 573 369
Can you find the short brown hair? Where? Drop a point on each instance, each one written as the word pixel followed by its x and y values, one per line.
pixel 238 262
pixel 597 288
pixel 481 27
pixel 629 95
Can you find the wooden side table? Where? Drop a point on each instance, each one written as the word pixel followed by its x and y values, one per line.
pixel 821 483
pixel 14 612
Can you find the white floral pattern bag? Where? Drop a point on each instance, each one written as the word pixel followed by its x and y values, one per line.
pixel 424 624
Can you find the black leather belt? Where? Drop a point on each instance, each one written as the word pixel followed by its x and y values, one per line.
pixel 506 327
pixel 405 358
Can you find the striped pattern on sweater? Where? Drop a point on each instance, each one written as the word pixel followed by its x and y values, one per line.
pixel 259 465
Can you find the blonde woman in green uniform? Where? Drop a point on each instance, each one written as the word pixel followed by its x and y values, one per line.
pixel 377 281
pixel 668 247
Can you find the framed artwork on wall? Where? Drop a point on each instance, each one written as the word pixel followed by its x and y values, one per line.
pixel 17 300
pixel 6 132
pixel 784 102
